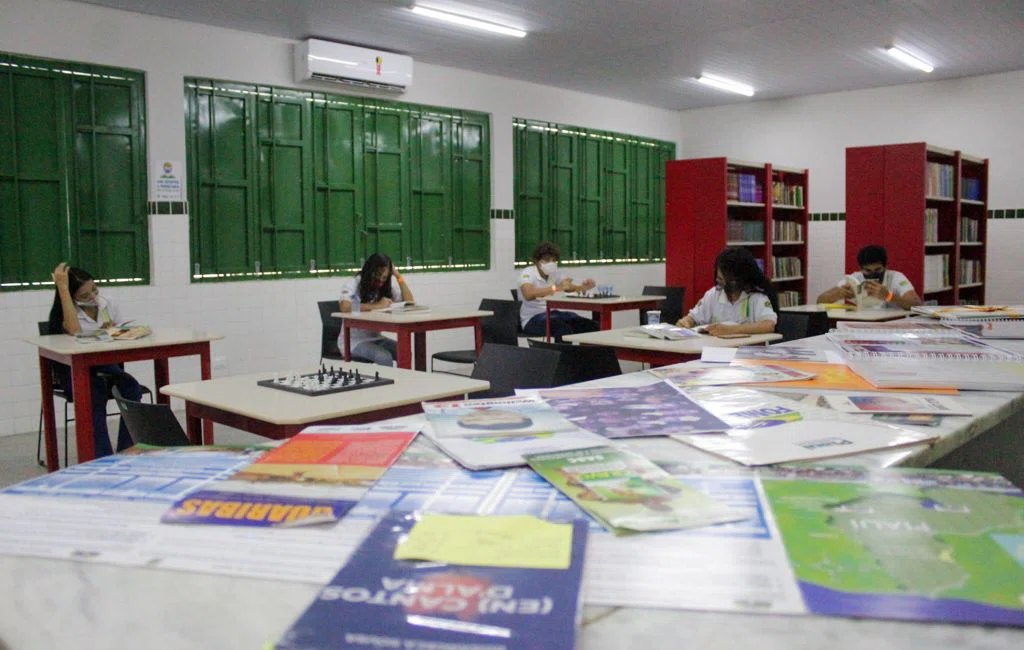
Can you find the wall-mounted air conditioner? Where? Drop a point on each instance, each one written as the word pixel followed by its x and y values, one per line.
pixel 349 64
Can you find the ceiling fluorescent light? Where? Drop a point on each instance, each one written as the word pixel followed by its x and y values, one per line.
pixel 726 84
pixel 466 21
pixel 906 57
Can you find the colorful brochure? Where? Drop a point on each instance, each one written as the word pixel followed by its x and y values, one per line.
pixel 915 420
pixel 836 376
pixel 689 374
pixel 524 414
pixel 254 510
pixel 903 404
pixel 918 545
pixel 377 601
pixel 963 312
pixel 494 451
pixel 627 493
pixel 654 410
pixel 768 353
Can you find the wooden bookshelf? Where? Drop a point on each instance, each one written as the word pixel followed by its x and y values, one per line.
pixel 918 201
pixel 708 207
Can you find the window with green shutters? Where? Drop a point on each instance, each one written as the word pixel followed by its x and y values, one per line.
pixel 599 195
pixel 72 171
pixel 296 183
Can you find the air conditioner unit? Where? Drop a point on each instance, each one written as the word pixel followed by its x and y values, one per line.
pixel 349 64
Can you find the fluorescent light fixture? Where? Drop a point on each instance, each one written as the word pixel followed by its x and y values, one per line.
pixel 906 57
pixel 466 21
pixel 726 84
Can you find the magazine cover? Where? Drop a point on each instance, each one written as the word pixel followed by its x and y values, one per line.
pixel 653 410
pixel 837 376
pixel 490 451
pixel 770 353
pixel 921 545
pixel 501 416
pixel 690 374
pixel 627 493
pixel 888 403
pixel 376 601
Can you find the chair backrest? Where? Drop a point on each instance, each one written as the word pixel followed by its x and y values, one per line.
pixel 151 424
pixel 581 362
pixel 503 326
pixel 330 330
pixel 44 328
pixel 515 294
pixel 800 325
pixel 509 367
pixel 671 307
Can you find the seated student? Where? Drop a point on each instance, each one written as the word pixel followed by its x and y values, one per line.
pixel 377 286
pixel 543 278
pixel 79 307
pixel 890 287
pixel 742 301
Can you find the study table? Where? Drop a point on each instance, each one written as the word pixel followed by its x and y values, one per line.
pixel 239 402
pixel 47 603
pixel 412 326
pixel 629 345
pixel 159 346
pixel 866 315
pixel 601 308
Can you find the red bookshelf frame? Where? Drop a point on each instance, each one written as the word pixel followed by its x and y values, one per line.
pixel 697 212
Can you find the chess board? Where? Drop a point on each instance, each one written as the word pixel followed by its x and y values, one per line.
pixel 327 381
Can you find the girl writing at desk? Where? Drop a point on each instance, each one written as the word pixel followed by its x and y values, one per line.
pixel 377 286
pixel 742 301
pixel 78 307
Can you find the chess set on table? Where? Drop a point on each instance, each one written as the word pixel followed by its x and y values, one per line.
pixel 326 381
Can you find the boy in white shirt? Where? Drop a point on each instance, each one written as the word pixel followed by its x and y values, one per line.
pixel 543 278
pixel 741 302
pixel 887 287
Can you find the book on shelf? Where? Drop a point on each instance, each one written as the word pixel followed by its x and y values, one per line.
pixel 970 271
pixel 939 180
pixel 787 194
pixel 786 267
pixel 970 232
pixel 931 225
pixel 936 272
pixel 744 230
pixel 789 298
pixel 970 188
pixel 787 231
pixel 744 187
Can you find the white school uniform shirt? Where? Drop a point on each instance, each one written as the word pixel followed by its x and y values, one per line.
pixel 892 281
pixel 106 312
pixel 348 291
pixel 531 275
pixel 714 307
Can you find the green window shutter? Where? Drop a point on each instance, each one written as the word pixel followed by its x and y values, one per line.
pixel 338 183
pixel 616 218
pixel 666 152
pixel 563 176
pixel 110 193
pixel 430 200
pixel 531 187
pixel 386 174
pixel 591 202
pixel 643 161
pixel 221 177
pixel 472 191
pixel 284 197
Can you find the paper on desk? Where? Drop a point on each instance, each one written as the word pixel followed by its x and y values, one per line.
pixel 770 352
pixel 521 541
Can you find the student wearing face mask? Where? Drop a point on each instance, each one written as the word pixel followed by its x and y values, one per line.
pixel 742 301
pixel 544 278
pixel 888 287
pixel 377 286
pixel 79 307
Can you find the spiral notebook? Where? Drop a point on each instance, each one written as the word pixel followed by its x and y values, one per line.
pixel 949 345
pixel 970 312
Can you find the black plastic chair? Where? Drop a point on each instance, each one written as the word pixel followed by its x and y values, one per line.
pixel 57 384
pixel 581 362
pixel 508 367
pixel 800 325
pixel 151 424
pixel 330 330
pixel 671 307
pixel 501 328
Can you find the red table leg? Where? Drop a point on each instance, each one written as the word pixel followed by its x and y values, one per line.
pixel 346 332
pixel 49 423
pixel 547 324
pixel 205 373
pixel 161 376
pixel 478 337
pixel 194 425
pixel 606 320
pixel 404 349
pixel 81 389
pixel 420 341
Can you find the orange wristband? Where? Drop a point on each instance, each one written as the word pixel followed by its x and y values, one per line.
pixel 889 297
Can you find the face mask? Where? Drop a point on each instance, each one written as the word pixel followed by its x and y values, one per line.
pixel 87 303
pixel 877 276
pixel 731 286
pixel 548 268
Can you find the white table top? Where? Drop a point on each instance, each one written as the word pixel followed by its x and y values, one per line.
pixel 65 344
pixel 241 394
pixel 617 339
pixel 110 607
pixel 421 316
pixel 851 314
pixel 618 300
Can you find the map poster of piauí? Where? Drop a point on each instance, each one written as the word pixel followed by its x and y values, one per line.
pixel 906 544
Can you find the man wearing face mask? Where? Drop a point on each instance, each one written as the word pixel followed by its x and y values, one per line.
pixel 884 287
pixel 543 278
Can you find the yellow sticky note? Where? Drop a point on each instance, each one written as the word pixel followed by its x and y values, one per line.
pixel 503 541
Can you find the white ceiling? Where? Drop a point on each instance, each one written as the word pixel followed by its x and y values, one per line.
pixel 649 51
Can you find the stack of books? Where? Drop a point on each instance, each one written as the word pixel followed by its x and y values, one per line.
pixel 939 181
pixel 936 272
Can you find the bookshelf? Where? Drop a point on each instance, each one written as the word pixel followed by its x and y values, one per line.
pixel 711 203
pixel 927 206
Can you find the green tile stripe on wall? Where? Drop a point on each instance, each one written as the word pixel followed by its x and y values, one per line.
pixel 827 216
pixel 503 214
pixel 1006 213
pixel 168 207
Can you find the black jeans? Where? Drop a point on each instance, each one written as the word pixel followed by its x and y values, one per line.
pixel 562 323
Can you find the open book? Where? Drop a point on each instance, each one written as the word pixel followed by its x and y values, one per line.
pixel 403 307
pixel 114 333
pixel 863 300
pixel 663 331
